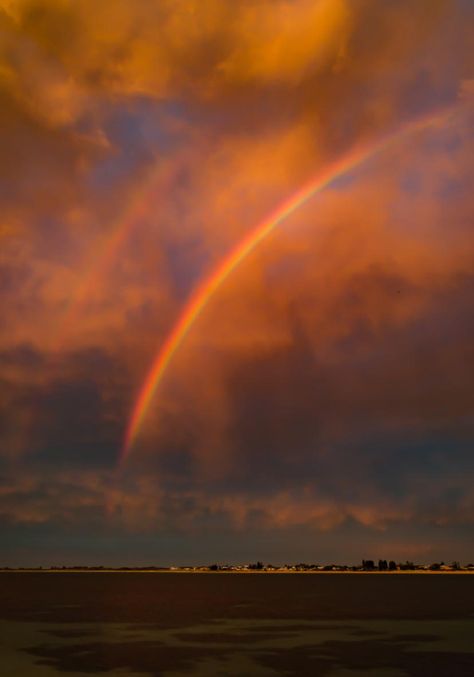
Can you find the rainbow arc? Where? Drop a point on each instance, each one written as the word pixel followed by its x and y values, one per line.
pixel 210 285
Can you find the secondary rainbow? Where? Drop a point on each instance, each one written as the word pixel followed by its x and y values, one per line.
pixel 105 251
pixel 207 288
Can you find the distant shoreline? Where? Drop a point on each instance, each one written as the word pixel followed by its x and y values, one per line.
pixel 286 572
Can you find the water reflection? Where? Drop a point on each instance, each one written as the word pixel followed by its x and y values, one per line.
pixel 241 647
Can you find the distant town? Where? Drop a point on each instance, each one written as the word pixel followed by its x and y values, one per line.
pixel 367 565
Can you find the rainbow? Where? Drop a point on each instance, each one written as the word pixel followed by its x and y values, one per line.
pixel 208 287
pixel 105 252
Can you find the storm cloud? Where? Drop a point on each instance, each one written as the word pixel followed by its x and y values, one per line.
pixel 324 396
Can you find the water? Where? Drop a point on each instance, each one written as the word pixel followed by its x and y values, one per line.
pixel 236 625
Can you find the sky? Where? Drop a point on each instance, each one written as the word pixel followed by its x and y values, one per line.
pixel 319 407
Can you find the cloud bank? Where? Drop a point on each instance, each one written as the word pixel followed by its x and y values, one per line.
pixel 324 396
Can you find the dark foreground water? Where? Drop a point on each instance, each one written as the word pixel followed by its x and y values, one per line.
pixel 236 625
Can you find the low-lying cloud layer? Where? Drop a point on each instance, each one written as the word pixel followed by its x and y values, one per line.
pixel 325 395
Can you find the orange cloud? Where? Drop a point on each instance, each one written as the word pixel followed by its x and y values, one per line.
pixel 140 143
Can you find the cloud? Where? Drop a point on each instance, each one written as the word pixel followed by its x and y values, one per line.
pixel 325 387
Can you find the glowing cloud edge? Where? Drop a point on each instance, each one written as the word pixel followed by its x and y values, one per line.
pixel 207 288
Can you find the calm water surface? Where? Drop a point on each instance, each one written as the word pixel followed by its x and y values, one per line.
pixel 236 625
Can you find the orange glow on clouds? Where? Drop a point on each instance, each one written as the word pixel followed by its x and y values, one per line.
pixel 320 378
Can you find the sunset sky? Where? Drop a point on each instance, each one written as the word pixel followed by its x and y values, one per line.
pixel 200 361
